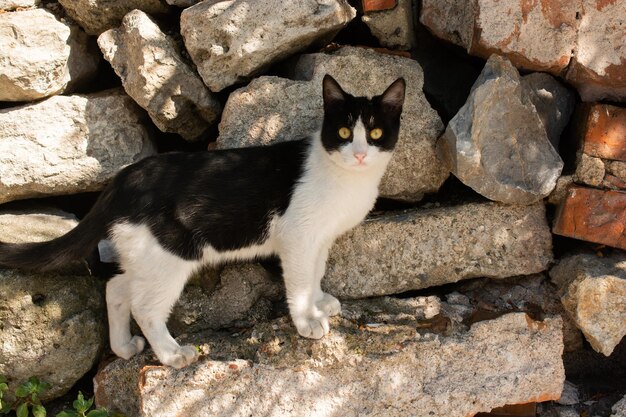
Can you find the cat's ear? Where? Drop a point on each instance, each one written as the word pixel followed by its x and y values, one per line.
pixel 332 92
pixel 393 97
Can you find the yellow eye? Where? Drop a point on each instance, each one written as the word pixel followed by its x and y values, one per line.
pixel 376 133
pixel 344 133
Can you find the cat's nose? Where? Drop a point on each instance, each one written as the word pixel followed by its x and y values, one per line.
pixel 360 157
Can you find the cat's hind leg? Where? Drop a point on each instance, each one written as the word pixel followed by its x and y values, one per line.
pixel 118 310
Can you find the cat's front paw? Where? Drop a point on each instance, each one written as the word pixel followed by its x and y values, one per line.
pixel 312 327
pixel 130 349
pixel 329 305
pixel 181 357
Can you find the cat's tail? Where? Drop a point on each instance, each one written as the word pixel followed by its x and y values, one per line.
pixel 77 244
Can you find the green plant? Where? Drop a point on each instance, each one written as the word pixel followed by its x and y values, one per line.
pixel 26 397
pixel 28 400
pixel 82 406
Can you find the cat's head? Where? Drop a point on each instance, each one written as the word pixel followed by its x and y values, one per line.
pixel 360 133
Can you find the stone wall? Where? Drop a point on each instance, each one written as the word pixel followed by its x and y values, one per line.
pixel 492 264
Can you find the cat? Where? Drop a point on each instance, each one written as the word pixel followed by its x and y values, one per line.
pixel 168 214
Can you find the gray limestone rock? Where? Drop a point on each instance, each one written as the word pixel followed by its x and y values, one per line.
pixel 51 326
pixel 182 3
pixel 96 16
pixel 230 302
pixel 272 109
pixel 69 144
pixel 232 41
pixel 497 143
pixel 533 294
pixel 393 28
pixel 553 101
pixel 156 77
pixel 15 4
pixel 364 367
pixel 403 251
pixel 32 223
pixel 593 290
pixel 557 196
pixel 41 56
pixel 619 409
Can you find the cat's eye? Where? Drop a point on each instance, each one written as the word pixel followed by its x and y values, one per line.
pixel 376 133
pixel 344 133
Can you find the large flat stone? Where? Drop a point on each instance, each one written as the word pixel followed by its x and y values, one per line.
pixel 41 56
pixel 364 367
pixel 498 142
pixel 154 74
pixel 69 144
pixel 272 109
pixel 51 326
pixel 232 41
pixel 598 69
pixel 397 252
pixel 593 291
pixel 32 223
pixel 15 4
pixel 537 36
pixel 96 16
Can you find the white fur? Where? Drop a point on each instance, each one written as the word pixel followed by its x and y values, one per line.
pixel 334 195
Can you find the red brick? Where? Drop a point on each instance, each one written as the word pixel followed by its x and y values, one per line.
pixel 515 410
pixel 605 132
pixel 377 5
pixel 593 215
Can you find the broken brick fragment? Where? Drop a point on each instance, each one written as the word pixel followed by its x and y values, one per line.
pixel 377 5
pixel 593 215
pixel 604 133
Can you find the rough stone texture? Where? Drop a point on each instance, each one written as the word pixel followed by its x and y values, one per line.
pixel 96 16
pixel 619 409
pixel 51 326
pixel 156 77
pixel 393 28
pixel 536 36
pixel 533 294
pixel 232 41
pixel 552 100
pixel 598 68
pixel 364 367
pixel 69 144
pixel 229 303
pixel 593 215
pixel 33 223
pixel 41 56
pixel 472 240
pixel 600 173
pixel 603 131
pixel 590 170
pixel 558 195
pixel 497 143
pixel 182 3
pixel 593 290
pixel 14 4
pixel 272 109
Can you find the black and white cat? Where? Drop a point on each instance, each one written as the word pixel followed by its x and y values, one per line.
pixel 169 214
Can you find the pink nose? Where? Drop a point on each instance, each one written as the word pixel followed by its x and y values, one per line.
pixel 360 157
